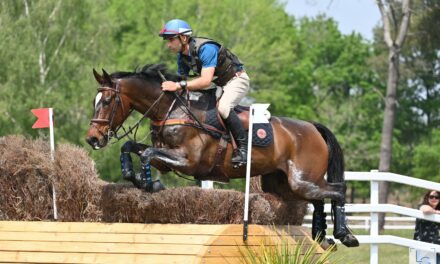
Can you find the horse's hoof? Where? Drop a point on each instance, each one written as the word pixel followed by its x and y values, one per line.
pixel 349 240
pixel 326 243
pixel 128 175
pixel 157 186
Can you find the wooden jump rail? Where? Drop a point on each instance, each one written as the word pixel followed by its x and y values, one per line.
pixel 65 242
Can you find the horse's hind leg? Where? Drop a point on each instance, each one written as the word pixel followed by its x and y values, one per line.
pixel 315 193
pixel 341 230
pixel 319 224
pixel 310 190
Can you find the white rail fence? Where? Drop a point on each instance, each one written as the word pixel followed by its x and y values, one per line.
pixel 374 208
pixel 364 221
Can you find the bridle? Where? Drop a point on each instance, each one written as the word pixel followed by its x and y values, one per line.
pixel 114 133
pixel 117 95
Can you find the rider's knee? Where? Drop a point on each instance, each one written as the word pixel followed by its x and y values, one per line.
pixel 224 110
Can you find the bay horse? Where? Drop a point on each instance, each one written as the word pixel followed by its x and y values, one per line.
pixel 295 162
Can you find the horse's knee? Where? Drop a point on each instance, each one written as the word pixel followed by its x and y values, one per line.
pixel 128 146
pixel 147 155
pixel 134 147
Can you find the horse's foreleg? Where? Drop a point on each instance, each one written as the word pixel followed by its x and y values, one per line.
pixel 126 161
pixel 310 190
pixel 171 158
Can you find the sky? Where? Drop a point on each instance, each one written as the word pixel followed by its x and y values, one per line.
pixel 352 15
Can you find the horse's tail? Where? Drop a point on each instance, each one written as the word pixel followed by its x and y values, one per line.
pixel 335 169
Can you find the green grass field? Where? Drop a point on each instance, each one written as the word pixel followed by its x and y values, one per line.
pixel 387 253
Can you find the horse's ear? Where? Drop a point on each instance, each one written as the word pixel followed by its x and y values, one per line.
pixel 107 77
pixel 98 77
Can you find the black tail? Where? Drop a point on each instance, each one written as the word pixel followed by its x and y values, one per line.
pixel 335 169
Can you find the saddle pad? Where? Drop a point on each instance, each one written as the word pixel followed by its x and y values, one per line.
pixel 262 134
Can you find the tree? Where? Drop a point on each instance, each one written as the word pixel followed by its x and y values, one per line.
pixel 391 27
pixel 48 47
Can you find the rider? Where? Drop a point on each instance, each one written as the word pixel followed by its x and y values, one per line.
pixel 210 61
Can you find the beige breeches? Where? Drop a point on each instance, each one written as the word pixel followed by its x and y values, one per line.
pixel 235 90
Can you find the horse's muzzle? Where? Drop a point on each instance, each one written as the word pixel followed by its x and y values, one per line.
pixel 96 143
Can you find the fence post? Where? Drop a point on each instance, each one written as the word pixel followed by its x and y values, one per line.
pixel 374 225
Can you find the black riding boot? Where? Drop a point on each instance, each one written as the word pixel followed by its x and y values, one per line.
pixel 234 125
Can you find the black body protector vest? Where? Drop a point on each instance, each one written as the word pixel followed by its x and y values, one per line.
pixel 227 63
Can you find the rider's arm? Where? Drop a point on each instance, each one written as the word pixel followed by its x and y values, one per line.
pixel 203 81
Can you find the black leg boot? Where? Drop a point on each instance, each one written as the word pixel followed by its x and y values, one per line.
pixel 234 125
pixel 341 231
pixel 319 226
pixel 126 161
pixel 127 166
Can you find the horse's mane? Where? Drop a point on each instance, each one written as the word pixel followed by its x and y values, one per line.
pixel 148 72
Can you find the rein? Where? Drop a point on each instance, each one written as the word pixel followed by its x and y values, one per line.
pixel 189 112
pixel 136 126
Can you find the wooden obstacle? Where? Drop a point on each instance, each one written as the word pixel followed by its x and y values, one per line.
pixel 67 242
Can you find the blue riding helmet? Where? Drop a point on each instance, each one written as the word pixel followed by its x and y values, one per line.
pixel 175 27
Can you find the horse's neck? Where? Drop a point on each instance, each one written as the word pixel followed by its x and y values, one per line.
pixel 147 98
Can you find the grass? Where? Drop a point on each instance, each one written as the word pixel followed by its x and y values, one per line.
pixel 358 255
pixel 387 253
pixel 285 253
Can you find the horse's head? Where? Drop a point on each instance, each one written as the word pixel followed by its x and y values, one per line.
pixel 111 110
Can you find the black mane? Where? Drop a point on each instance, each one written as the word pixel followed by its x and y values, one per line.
pixel 148 72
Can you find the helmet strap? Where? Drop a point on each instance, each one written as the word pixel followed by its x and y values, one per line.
pixel 182 44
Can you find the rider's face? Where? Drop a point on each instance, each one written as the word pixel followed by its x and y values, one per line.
pixel 174 44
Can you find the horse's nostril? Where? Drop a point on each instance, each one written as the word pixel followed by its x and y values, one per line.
pixel 92 141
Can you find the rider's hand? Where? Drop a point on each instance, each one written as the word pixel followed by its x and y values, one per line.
pixel 170 86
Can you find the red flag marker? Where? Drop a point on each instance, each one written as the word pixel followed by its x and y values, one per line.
pixel 43 118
